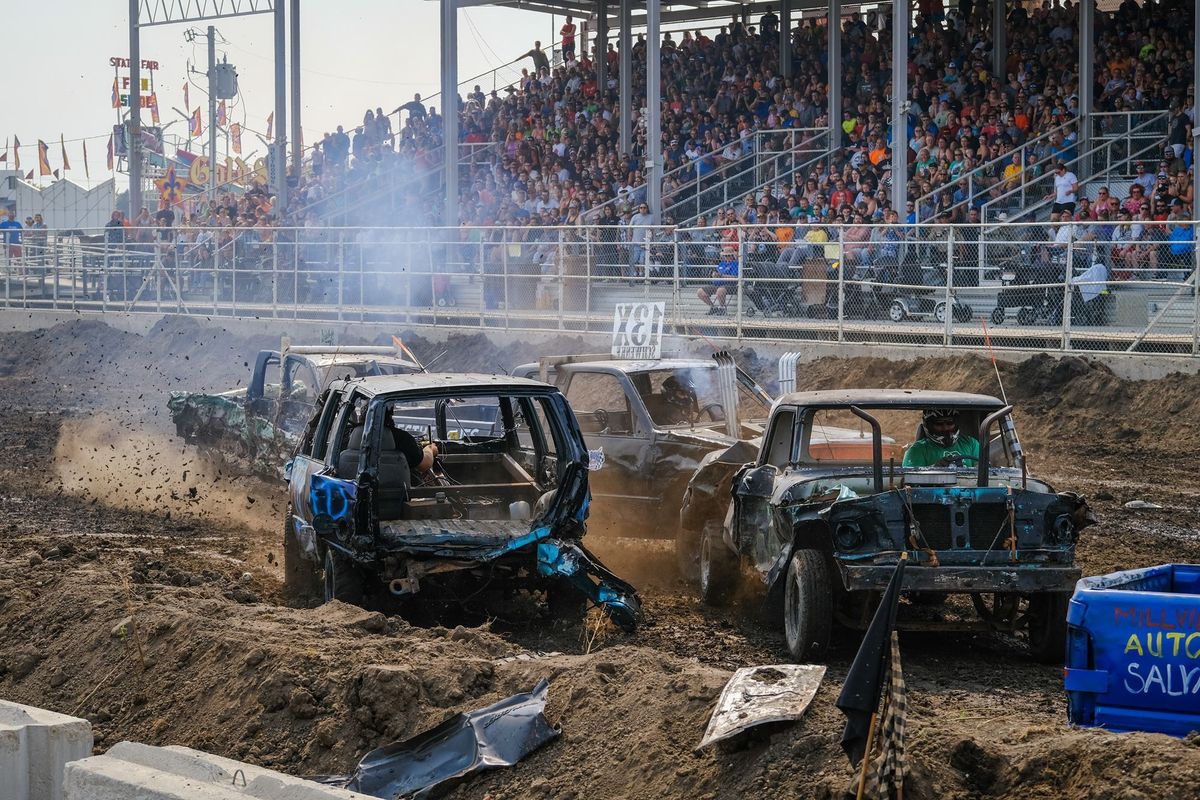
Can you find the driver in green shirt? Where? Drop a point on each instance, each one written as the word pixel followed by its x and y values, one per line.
pixel 943 444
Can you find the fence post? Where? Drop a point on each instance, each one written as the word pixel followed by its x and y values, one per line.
pixel 741 268
pixel 949 315
pixel 103 276
pixel 341 273
pixel 1068 275
pixel 1195 295
pixel 296 272
pixel 675 289
pixel 560 270
pixel 841 277
pixel 504 266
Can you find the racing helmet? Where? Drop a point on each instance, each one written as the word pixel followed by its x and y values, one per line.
pixel 680 392
pixel 931 415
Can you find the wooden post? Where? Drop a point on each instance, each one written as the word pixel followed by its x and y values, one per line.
pixel 862 772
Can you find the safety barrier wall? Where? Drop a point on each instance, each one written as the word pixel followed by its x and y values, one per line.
pixel 1085 287
pixel 35 745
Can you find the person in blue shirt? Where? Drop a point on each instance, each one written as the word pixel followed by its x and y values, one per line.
pixel 10 234
pixel 716 294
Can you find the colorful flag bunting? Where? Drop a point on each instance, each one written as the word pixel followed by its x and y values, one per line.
pixel 4 158
pixel 62 145
pixel 110 152
pixel 86 172
pixel 116 95
pixel 29 175
pixel 221 119
pixel 270 125
pixel 187 106
pixel 197 126
pixel 235 138
pixel 16 154
pixel 154 107
pixel 43 159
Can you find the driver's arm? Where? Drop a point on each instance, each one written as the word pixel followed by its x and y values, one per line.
pixel 917 454
pixel 419 458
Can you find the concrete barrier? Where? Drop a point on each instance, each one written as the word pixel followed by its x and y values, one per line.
pixel 35 744
pixel 130 769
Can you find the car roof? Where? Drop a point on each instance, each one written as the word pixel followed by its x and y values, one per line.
pixel 333 359
pixel 627 366
pixel 437 381
pixel 890 398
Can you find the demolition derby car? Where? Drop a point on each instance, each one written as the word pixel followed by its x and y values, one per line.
pixel 823 521
pixel 258 427
pixel 648 423
pixel 445 490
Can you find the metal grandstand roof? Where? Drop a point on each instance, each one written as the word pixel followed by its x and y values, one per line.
pixel 672 12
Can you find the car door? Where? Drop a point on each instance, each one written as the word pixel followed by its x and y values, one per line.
pixel 617 440
pixel 322 500
pixel 755 486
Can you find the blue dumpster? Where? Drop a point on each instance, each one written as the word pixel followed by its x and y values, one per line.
pixel 1133 650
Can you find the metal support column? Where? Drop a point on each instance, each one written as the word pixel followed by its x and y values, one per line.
pixel 281 187
pixel 625 105
pixel 1087 54
pixel 834 72
pixel 601 47
pixel 785 38
pixel 135 111
pixel 212 116
pixel 297 139
pixel 450 110
pixel 901 24
pixel 999 39
pixel 654 151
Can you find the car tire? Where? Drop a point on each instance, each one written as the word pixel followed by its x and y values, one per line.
pixel 687 554
pixel 1048 626
pixel 343 579
pixel 897 311
pixel 939 312
pixel 300 580
pixel 719 568
pixel 998 316
pixel 807 606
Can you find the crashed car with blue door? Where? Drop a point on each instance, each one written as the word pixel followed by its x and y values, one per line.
pixel 497 504
pixel 822 521
pixel 257 427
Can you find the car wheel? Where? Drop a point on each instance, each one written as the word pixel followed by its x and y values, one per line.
pixel 998 316
pixel 897 312
pixel 939 312
pixel 343 579
pixel 1026 316
pixel 687 554
pixel 1048 626
pixel 299 574
pixel 718 566
pixel 807 606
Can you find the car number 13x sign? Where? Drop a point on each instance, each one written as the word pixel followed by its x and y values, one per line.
pixel 637 330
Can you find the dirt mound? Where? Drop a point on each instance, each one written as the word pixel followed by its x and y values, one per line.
pixel 157 613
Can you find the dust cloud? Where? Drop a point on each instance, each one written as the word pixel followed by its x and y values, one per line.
pixel 101 459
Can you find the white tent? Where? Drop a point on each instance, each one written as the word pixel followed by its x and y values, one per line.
pixel 63 204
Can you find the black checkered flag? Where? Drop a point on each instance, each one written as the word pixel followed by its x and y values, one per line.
pixel 889 764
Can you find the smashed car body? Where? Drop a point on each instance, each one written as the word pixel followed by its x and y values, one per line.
pixel 642 449
pixel 823 522
pixel 257 427
pixel 501 508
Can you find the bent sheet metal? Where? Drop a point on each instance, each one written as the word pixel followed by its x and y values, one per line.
pixel 758 695
pixel 497 736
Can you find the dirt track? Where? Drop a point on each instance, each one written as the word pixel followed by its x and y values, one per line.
pixel 140 588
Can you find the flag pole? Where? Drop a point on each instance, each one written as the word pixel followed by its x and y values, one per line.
pixel 862 772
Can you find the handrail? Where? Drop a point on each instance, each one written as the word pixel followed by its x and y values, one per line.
pixel 823 154
pixel 1006 157
pixel 1107 143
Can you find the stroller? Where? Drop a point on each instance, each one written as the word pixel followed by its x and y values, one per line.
pixel 1033 303
pixel 920 295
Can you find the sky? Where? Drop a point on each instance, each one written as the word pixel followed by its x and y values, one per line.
pixel 355 54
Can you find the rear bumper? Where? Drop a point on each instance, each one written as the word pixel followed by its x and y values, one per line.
pixel 970 580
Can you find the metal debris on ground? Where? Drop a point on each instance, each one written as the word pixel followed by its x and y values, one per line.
pixel 1141 505
pixel 759 695
pixel 497 736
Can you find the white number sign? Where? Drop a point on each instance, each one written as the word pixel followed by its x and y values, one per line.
pixel 637 330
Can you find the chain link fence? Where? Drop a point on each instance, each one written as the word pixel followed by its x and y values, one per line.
pixel 1032 286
